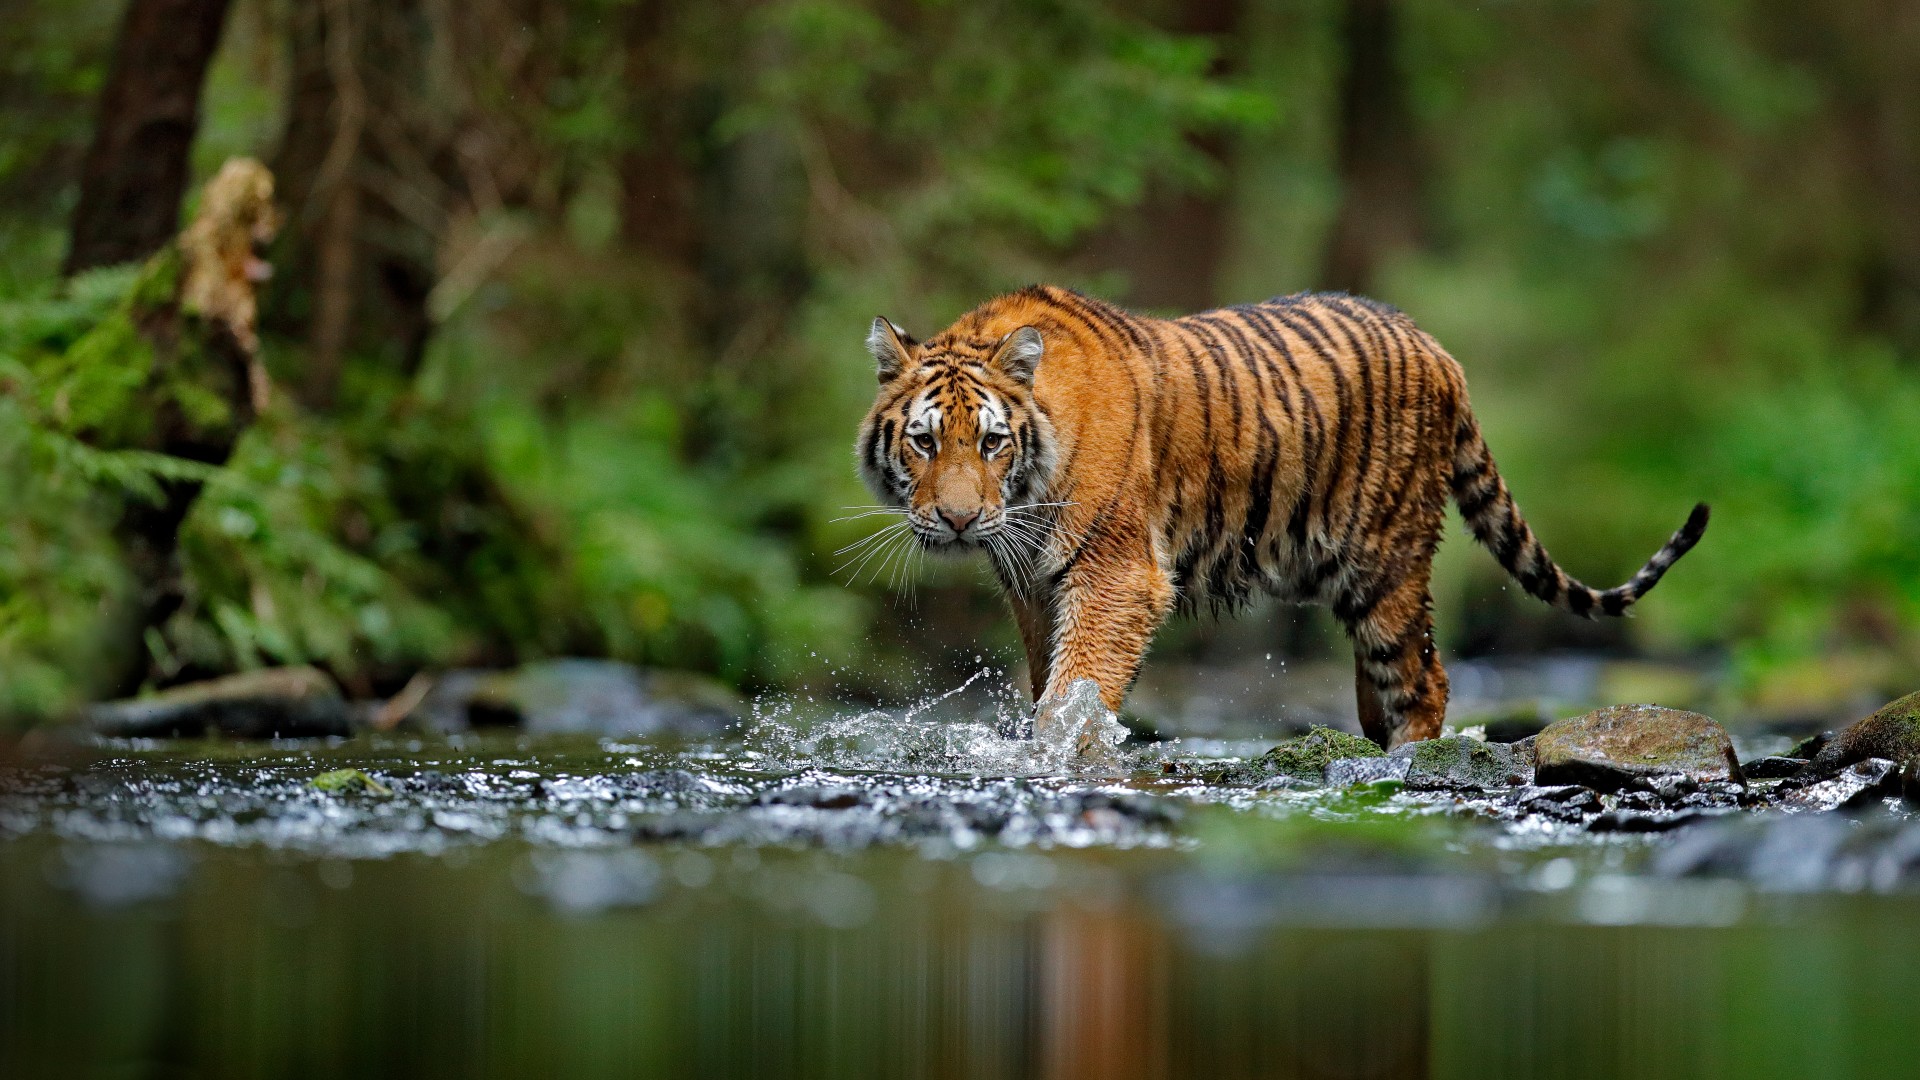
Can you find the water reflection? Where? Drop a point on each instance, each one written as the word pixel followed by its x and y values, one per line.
pixel 622 963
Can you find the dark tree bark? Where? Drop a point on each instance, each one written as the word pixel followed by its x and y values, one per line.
pixel 1379 158
pixel 136 168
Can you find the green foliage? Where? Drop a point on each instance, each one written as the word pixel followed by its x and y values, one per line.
pixel 59 572
pixel 1820 477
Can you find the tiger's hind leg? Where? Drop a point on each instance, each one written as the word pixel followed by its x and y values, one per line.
pixel 1399 684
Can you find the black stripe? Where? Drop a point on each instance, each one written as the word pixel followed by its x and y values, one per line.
pixel 1353 607
pixel 1398 494
pixel 1312 434
pixel 1363 462
pixel 1265 463
pixel 1216 489
pixel 1343 394
pixel 1474 503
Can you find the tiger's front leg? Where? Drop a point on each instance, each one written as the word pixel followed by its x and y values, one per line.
pixel 1104 616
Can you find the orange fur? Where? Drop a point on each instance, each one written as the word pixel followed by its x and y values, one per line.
pixel 1118 467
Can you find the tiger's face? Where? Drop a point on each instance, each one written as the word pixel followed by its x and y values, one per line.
pixel 954 438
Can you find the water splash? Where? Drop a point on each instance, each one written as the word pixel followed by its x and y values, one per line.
pixel 946 734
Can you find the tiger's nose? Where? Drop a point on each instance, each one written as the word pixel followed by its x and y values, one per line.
pixel 959 520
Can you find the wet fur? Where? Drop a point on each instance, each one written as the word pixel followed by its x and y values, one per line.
pixel 1304 448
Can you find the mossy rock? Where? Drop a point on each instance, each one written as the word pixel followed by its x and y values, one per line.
pixel 1462 764
pixel 1306 757
pixel 1892 732
pixel 1609 748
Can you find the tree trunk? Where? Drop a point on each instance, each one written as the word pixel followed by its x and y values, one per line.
pixel 1380 164
pixel 136 168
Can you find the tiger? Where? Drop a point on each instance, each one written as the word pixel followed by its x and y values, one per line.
pixel 1118 468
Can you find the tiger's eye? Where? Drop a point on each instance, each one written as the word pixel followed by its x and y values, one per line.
pixel 993 442
pixel 924 442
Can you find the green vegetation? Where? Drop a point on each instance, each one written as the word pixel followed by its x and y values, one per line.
pixel 341 781
pixel 599 365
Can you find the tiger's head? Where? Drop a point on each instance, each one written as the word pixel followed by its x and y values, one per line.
pixel 955 438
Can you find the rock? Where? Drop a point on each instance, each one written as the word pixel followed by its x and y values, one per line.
pixel 1567 802
pixel 1714 795
pixel 1306 757
pixel 1347 772
pixel 1772 768
pixel 1860 784
pixel 290 702
pixel 1640 801
pixel 1610 748
pixel 1462 764
pixel 1892 733
pixel 596 697
pixel 1910 783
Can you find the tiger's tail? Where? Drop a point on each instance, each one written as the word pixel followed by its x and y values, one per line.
pixel 1495 521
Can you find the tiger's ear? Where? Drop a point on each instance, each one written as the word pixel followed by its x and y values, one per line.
pixel 891 348
pixel 1019 354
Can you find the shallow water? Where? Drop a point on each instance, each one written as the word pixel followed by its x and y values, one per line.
pixel 906 893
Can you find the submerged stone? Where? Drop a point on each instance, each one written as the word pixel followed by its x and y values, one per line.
pixel 1860 784
pixel 1462 764
pixel 1772 768
pixel 1892 732
pixel 289 702
pixel 1566 802
pixel 1611 748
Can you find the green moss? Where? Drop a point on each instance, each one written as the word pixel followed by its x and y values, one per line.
pixel 341 781
pixel 1463 764
pixel 1307 756
pixel 1891 732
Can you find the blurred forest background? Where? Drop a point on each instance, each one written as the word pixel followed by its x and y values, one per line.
pixel 564 331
